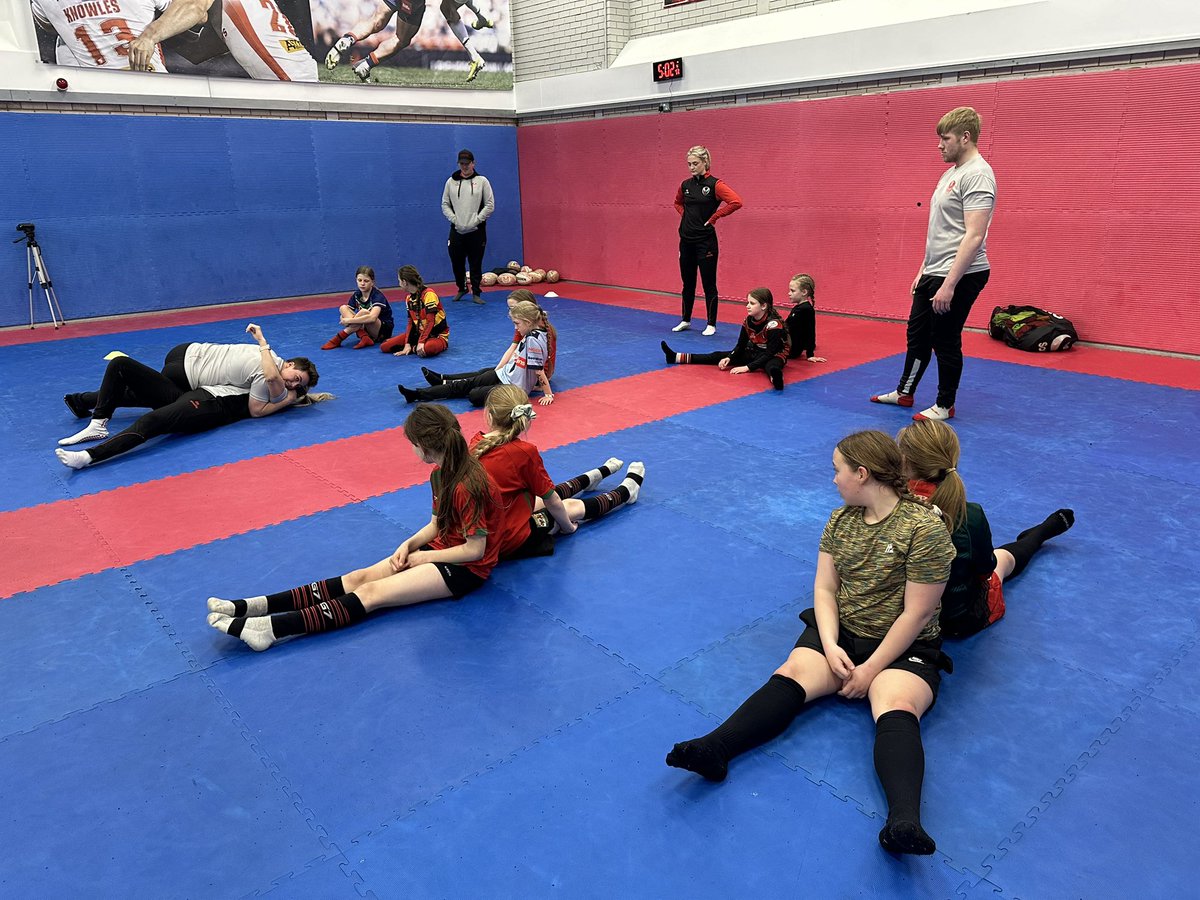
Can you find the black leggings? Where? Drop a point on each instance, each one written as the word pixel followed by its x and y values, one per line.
pixel 773 363
pixel 475 385
pixel 700 255
pixel 191 413
pixel 128 382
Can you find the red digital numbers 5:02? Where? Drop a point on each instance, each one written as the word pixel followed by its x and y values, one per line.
pixel 668 69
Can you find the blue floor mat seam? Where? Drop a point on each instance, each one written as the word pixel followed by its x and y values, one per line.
pixel 1063 782
pixel 439 794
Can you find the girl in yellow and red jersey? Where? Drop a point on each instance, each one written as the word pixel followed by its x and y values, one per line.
pixel 428 332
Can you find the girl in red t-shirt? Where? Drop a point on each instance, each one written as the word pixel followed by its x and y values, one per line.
pixel 450 557
pixel 525 490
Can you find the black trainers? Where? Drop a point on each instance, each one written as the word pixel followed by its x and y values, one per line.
pixel 409 396
pixel 459 296
pixel 76 405
pixel 431 376
pixel 776 376
pixel 478 298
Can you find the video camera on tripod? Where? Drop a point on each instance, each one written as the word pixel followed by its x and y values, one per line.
pixel 35 262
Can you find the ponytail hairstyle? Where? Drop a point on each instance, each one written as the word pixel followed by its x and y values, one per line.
pixel 522 295
pixel 412 276
pixel 806 284
pixel 879 455
pixel 701 153
pixel 510 413
pixel 930 450
pixel 528 312
pixel 763 295
pixel 434 429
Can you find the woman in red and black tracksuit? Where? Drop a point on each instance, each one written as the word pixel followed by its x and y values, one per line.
pixel 701 200
pixel 763 345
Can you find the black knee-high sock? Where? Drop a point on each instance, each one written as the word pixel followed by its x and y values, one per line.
pixel 580 483
pixel 1030 540
pixel 900 765
pixel 298 597
pixel 325 616
pixel 603 504
pixel 764 715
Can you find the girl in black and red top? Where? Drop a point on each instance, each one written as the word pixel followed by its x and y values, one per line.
pixel 763 344
pixel 699 204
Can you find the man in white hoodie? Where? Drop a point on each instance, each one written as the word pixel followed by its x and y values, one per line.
pixel 467 202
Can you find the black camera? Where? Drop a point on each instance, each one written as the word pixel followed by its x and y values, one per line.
pixel 26 227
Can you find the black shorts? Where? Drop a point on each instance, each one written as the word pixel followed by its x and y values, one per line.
pixel 409 11
pixel 459 579
pixel 924 659
pixel 541 538
pixel 385 331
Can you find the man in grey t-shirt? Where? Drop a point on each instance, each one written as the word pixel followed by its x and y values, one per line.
pixel 955 267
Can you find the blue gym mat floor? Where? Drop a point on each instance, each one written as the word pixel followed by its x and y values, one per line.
pixel 512 744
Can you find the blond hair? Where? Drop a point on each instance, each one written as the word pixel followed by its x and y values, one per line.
pixel 510 413
pixel 931 450
pixel 806 284
pixel 702 154
pixel 959 121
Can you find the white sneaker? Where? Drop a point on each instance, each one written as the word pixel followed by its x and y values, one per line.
pixel 935 413
pixel 682 326
pixel 709 331
pixel 95 430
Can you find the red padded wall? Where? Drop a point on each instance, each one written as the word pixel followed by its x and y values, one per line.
pixel 1098 213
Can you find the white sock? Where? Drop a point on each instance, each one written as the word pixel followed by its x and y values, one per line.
pixel 460 31
pixel 596 476
pixel 95 430
pixel 255 606
pixel 76 459
pixel 256 632
pixel 633 485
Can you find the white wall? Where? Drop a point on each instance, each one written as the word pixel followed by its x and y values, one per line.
pixel 24 78
pixel 855 40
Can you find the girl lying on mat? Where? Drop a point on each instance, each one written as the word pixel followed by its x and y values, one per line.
pixel 974 596
pixel 525 367
pixel 532 507
pixel 200 387
pixel 763 344
pixel 450 557
pixel 872 632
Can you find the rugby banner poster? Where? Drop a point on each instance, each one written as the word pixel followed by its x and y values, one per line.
pixel 425 43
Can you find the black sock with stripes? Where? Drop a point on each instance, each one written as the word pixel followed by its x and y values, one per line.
pixel 625 492
pixel 325 616
pixel 588 480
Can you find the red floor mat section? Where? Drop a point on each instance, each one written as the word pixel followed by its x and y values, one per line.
pixel 104 531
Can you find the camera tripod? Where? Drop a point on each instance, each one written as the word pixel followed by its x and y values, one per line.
pixel 35 262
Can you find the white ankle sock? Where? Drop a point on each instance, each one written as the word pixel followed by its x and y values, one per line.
pixel 633 485
pixel 76 459
pixel 596 476
pixel 256 632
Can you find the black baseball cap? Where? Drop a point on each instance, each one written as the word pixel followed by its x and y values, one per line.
pixel 467 155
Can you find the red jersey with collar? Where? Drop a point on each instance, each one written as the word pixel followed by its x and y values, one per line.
pixel 517 471
pixel 468 519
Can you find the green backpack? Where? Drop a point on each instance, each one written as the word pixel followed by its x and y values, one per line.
pixel 1032 329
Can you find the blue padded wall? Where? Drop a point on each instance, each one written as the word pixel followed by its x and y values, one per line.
pixel 140 213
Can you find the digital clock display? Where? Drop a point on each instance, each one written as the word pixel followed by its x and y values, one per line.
pixel 668 69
